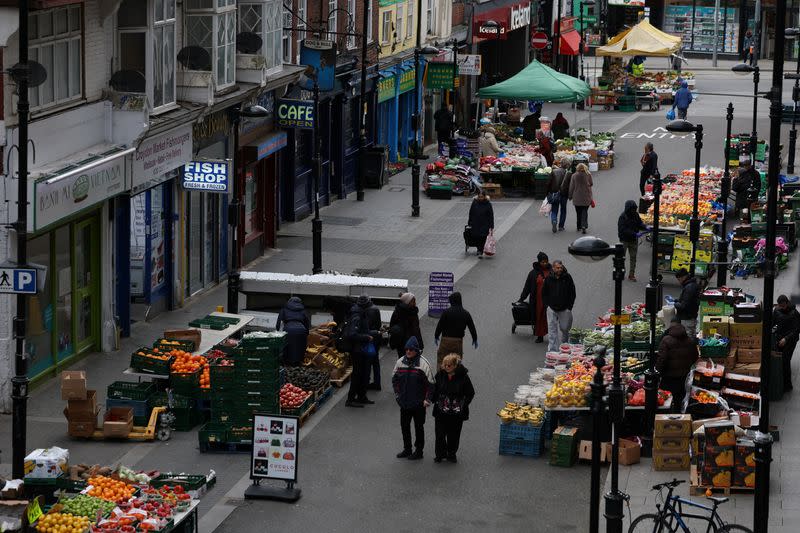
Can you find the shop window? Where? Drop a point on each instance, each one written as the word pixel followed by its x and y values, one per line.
pixel 302 149
pixel 287 35
pixel 211 24
pixel 140 24
pixel 264 18
pixel 252 211
pixel 694 21
pixel 39 340
pixel 55 42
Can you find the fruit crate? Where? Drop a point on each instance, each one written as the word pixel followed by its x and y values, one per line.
pixel 257 403
pixel 276 344
pixel 148 365
pixel 222 415
pixel 521 431
pixel 222 376
pixel 172 401
pixel 185 382
pixel 212 432
pixel 187 481
pixel 720 350
pixel 259 372
pixel 127 390
pixel 70 485
pixel 521 447
pixel 262 386
pixel 635 346
pixel 261 359
pixel 140 408
pixel 185 418
pixel 242 434
pixel 299 410
pixel 213 322
pixel 165 345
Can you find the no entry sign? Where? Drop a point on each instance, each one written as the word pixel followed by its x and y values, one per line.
pixel 539 40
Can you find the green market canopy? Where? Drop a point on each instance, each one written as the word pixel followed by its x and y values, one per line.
pixel 538 82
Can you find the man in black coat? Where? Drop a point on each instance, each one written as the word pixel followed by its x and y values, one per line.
pixel 443 121
pixel 558 295
pixel 748 179
pixel 676 355
pixel 786 320
pixel 481 220
pixel 452 326
pixel 629 229
pixel 649 163
pixel 688 303
pixel 359 336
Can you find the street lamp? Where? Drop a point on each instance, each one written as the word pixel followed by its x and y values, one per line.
pixel 584 3
pixel 745 69
pixel 598 407
pixel 415 119
pixel 653 297
pixel 235 208
pixel 792 33
pixel 684 126
pixel 362 101
pixel 590 249
pixel 725 186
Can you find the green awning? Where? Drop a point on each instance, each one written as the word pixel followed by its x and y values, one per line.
pixel 538 82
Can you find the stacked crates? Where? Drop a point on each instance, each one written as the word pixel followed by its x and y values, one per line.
pixel 134 395
pixel 519 439
pixel 564 446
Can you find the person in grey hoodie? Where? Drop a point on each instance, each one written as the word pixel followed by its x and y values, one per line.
pixel 294 321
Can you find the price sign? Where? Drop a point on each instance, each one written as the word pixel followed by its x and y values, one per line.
pixel 620 320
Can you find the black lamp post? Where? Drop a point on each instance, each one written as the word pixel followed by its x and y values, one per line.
pixel 744 69
pixel 653 297
pixel 763 439
pixel 316 223
pixel 684 126
pixel 590 249
pixel 584 3
pixel 362 101
pixel 235 209
pixel 415 119
pixel 598 407
pixel 725 186
pixel 792 33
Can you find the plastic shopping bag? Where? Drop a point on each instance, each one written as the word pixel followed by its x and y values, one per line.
pixel 490 248
pixel 671 114
pixel 544 210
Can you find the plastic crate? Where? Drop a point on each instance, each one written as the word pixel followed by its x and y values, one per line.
pixel 277 343
pixel 186 383
pixel 258 403
pixel 140 408
pixel 174 344
pixel 148 365
pixel 177 401
pixel 247 359
pixel 243 434
pixel 70 485
pixel 635 346
pixel 222 376
pixel 521 447
pixel 299 410
pixel 222 415
pixel 185 418
pixel 127 390
pixel 263 386
pixel 720 350
pixel 187 481
pixel 213 432
pixel 521 432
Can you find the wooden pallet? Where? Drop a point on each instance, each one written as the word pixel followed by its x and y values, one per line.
pixel 303 417
pixel 344 379
pixel 700 490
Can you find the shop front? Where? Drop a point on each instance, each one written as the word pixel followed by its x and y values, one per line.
pixel 396 108
pixel 69 244
pixel 150 235
pixel 504 49
pixel 693 20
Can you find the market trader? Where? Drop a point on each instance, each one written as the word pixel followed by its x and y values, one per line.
pixel 676 355
pixel 747 186
pixel 786 319
pixel 649 163
pixel 688 304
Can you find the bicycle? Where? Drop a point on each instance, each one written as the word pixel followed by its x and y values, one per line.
pixel 670 517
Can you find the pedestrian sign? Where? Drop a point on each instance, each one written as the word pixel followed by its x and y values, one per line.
pixel 17 280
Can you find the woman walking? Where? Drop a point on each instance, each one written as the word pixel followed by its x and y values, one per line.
pixel 580 192
pixel 533 288
pixel 452 394
pixel 404 324
pixel 481 220
pixel 293 320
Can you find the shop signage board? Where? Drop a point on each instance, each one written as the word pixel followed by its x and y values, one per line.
pixel 469 64
pixel 320 55
pixel 407 80
pixel 509 18
pixel 630 3
pixel 296 114
pixel 440 287
pixel 17 280
pixel 275 447
pixel 64 195
pixel 439 75
pixel 386 88
pixel 156 156
pixel 211 175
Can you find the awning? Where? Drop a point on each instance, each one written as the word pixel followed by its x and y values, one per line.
pixel 641 40
pixel 265 146
pixel 570 44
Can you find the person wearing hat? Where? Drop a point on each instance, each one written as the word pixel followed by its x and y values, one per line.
pixel 294 321
pixel 487 142
pixel 362 341
pixel 676 355
pixel 413 384
pixel 404 324
pixel 688 303
pixel 533 289
pixel 452 327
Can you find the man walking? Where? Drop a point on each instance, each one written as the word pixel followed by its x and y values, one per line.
pixel 360 340
pixel 683 97
pixel 649 163
pixel 452 326
pixel 558 294
pixel 787 330
pixel 557 199
pixel 412 381
pixel 688 304
pixel 629 228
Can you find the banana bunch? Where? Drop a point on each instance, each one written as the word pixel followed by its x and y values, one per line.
pixel 333 358
pixel 521 414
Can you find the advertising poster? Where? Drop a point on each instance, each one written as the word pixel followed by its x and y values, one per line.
pixel 275 443
pixel 440 287
pixel 320 57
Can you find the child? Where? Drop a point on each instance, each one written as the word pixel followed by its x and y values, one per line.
pixel 412 380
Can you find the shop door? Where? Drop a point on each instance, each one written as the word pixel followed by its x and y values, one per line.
pixel 202 239
pixel 85 281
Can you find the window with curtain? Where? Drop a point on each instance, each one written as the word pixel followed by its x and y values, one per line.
pixel 351 39
pixel 264 18
pixel 370 37
pixel 386 27
pixel 55 42
pixel 300 24
pixel 211 24
pixel 163 53
pixel 287 35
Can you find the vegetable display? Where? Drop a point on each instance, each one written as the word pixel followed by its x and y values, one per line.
pixel 88 506
pixel 292 397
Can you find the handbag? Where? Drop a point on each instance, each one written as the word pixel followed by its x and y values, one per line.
pixel 490 248
pixel 369 350
pixel 545 209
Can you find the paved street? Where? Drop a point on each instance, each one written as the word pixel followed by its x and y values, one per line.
pixel 350 478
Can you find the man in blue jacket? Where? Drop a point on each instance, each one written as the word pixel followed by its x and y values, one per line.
pixel 412 380
pixel 683 97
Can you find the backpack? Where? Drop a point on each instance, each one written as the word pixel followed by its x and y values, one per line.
pixel 343 341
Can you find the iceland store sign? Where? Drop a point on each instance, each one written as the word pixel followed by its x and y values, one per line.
pixel 209 176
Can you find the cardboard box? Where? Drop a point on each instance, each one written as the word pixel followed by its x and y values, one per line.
pixel 744 476
pixel 73 385
pixel 747 312
pixel 673 425
pixel 749 369
pixel 699 423
pixel 118 422
pixel 670 461
pixel 192 334
pixel 745 454
pixel 720 433
pixel 717 476
pixel 748 343
pixel 719 455
pixel 585 451
pixel 671 444
pixel 730 361
pixel 715 325
pixel 81 424
pixel 742 382
pixel 46 463
pixel 89 405
pixel 629 452
pixel 748 355
pixel 745 329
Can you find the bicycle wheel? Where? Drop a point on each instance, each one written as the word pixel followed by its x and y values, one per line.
pixel 648 523
pixel 730 528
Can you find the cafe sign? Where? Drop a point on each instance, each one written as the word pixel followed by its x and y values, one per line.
pixel 63 195
pixel 297 114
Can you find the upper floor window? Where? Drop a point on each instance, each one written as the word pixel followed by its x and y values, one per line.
pixel 211 25
pixel 146 44
pixel 386 27
pixel 431 13
pixel 300 24
pixel 369 23
pixel 410 25
pixel 265 19
pixel 55 42
pixel 287 35
pixel 351 10
pixel 398 28
pixel 333 19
